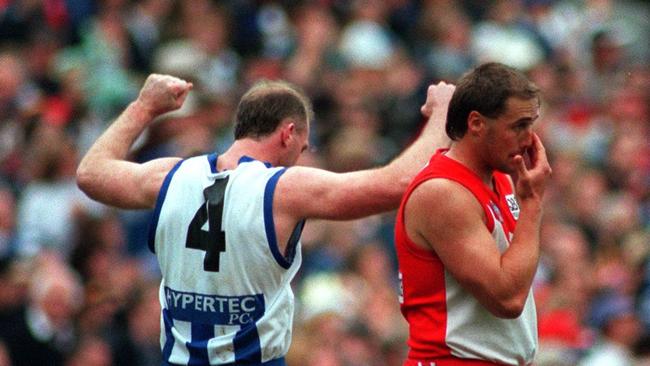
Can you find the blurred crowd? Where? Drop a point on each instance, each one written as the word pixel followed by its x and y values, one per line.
pixel 77 283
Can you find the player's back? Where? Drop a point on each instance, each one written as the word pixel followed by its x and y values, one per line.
pixel 225 291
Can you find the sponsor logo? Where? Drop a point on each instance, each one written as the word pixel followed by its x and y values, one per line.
pixel 212 309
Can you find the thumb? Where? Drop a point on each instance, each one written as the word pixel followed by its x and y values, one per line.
pixel 426 110
pixel 179 88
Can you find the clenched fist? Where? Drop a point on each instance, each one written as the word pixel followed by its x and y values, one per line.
pixel 163 93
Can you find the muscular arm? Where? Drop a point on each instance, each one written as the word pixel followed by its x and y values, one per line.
pixel 313 193
pixel 446 217
pixel 338 196
pixel 105 175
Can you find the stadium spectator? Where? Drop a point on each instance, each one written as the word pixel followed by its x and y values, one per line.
pixel 71 65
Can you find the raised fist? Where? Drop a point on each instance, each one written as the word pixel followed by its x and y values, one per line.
pixel 163 93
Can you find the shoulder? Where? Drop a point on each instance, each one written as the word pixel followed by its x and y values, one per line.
pixel 442 191
pixel 297 184
pixel 200 163
pixel 304 177
pixel 440 201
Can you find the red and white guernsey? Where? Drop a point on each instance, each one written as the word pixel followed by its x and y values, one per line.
pixel 445 321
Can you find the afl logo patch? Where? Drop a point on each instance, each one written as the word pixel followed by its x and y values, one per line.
pixel 513 206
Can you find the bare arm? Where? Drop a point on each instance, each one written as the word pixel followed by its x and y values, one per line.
pixel 404 168
pixel 314 193
pixel 443 215
pixel 105 175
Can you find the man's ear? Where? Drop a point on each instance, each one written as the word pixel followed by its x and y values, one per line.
pixel 475 123
pixel 287 131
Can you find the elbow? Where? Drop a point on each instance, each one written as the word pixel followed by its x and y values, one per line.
pixel 389 192
pixel 500 297
pixel 403 183
pixel 397 179
pixel 399 188
pixel 84 178
pixel 510 308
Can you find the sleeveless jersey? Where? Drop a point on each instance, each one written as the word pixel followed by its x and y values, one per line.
pixel 444 319
pixel 225 291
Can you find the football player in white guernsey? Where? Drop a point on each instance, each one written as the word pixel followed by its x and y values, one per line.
pixel 226 228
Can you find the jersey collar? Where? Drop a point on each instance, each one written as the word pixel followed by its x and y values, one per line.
pixel 248 159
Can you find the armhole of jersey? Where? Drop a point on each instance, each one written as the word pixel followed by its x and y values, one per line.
pixel 269 224
pixel 409 243
pixel 153 225
pixel 489 215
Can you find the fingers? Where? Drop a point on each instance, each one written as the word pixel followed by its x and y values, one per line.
pixel 164 93
pixel 169 80
pixel 426 111
pixel 537 171
pixel 427 107
pixel 521 166
pixel 437 95
pixel 183 92
pixel 180 88
pixel 177 88
pixel 540 158
pixel 534 152
pixel 538 147
pixel 531 182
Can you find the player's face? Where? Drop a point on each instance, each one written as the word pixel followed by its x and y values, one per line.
pixel 511 133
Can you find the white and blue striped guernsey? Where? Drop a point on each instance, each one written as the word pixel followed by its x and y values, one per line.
pixel 225 294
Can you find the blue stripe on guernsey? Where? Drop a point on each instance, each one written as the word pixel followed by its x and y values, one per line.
pixel 153 225
pixel 169 337
pixel 247 345
pixel 247 159
pixel 198 347
pixel 269 225
pixel 214 310
pixel 277 362
pixel 212 160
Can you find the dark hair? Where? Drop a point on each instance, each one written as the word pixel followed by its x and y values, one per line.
pixel 266 104
pixel 486 89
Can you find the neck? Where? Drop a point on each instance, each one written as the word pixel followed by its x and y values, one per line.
pixel 256 149
pixel 470 157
